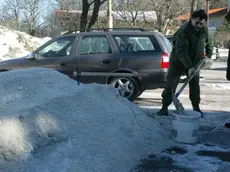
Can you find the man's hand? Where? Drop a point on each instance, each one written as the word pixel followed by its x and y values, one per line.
pixel 191 72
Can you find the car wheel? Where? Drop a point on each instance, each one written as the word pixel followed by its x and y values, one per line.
pixel 140 93
pixel 127 87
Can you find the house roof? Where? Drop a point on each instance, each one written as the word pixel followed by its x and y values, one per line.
pixel 211 11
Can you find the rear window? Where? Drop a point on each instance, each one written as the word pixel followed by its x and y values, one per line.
pixel 127 43
pixel 166 42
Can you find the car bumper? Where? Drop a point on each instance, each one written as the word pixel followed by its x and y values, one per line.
pixel 155 79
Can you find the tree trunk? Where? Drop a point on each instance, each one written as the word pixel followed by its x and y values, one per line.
pixel 17 22
pixel 160 25
pixel 96 8
pixel 95 13
pixel 194 6
pixel 84 15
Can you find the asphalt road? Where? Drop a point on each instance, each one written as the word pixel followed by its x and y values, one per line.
pixel 215 92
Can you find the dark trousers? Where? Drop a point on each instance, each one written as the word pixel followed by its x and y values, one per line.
pixel 174 73
pixel 228 66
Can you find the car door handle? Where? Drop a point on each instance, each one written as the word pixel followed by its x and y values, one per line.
pixel 106 61
pixel 63 64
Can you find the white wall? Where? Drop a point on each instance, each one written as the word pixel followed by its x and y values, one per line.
pixel 217 21
pixel 228 5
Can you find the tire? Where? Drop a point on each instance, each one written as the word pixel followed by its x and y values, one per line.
pixel 128 87
pixel 139 94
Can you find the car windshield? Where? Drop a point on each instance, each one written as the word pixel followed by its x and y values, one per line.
pixel 58 48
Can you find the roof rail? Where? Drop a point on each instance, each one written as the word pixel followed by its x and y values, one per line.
pixel 117 29
pixel 107 30
pixel 69 32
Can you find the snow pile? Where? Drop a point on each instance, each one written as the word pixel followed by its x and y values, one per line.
pixel 224 167
pixel 49 123
pixel 15 43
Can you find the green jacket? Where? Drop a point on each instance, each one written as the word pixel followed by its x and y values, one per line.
pixel 189 45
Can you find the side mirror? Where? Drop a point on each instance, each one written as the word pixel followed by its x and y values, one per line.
pixel 32 56
pixel 35 56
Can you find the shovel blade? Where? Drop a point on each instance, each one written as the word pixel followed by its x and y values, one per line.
pixel 177 104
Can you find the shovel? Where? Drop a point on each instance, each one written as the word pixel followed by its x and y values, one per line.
pixel 176 101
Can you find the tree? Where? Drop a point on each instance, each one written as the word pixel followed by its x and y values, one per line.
pixel 225 27
pixel 194 4
pixel 218 3
pixel 12 11
pixel 166 11
pixel 67 4
pixel 131 10
pixel 31 14
pixel 86 4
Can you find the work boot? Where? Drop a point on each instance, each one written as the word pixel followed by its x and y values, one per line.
pixel 163 111
pixel 197 109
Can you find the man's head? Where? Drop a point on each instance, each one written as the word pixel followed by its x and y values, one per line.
pixel 199 19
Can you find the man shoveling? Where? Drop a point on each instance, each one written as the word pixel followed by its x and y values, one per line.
pixel 190 41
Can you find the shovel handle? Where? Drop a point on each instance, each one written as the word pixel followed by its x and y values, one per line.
pixel 189 79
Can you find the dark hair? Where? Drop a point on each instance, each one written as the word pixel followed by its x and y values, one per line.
pixel 227 16
pixel 201 13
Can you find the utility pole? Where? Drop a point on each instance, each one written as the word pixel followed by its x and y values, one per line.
pixel 207 8
pixel 110 11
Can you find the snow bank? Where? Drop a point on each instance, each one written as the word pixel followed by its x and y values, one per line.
pixel 49 123
pixel 224 167
pixel 15 43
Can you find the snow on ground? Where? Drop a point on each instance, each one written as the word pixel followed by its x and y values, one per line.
pixel 16 44
pixel 49 123
pixel 213 136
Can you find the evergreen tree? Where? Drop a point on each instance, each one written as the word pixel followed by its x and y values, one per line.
pixel 225 27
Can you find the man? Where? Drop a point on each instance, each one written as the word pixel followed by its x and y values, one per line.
pixel 227 18
pixel 188 49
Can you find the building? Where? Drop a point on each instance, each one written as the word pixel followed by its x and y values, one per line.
pixel 216 17
pixel 228 5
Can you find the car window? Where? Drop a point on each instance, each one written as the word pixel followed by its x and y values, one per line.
pixel 59 48
pixel 97 44
pixel 166 42
pixel 134 43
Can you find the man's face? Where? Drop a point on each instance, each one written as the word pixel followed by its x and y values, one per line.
pixel 198 24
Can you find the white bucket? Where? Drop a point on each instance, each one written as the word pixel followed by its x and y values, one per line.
pixel 185 127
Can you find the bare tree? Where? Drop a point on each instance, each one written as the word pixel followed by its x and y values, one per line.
pixel 31 15
pixel 131 10
pixel 12 11
pixel 86 5
pixel 67 4
pixel 218 3
pixel 194 4
pixel 166 11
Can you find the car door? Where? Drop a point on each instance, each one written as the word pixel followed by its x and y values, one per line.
pixel 96 58
pixel 139 52
pixel 56 55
